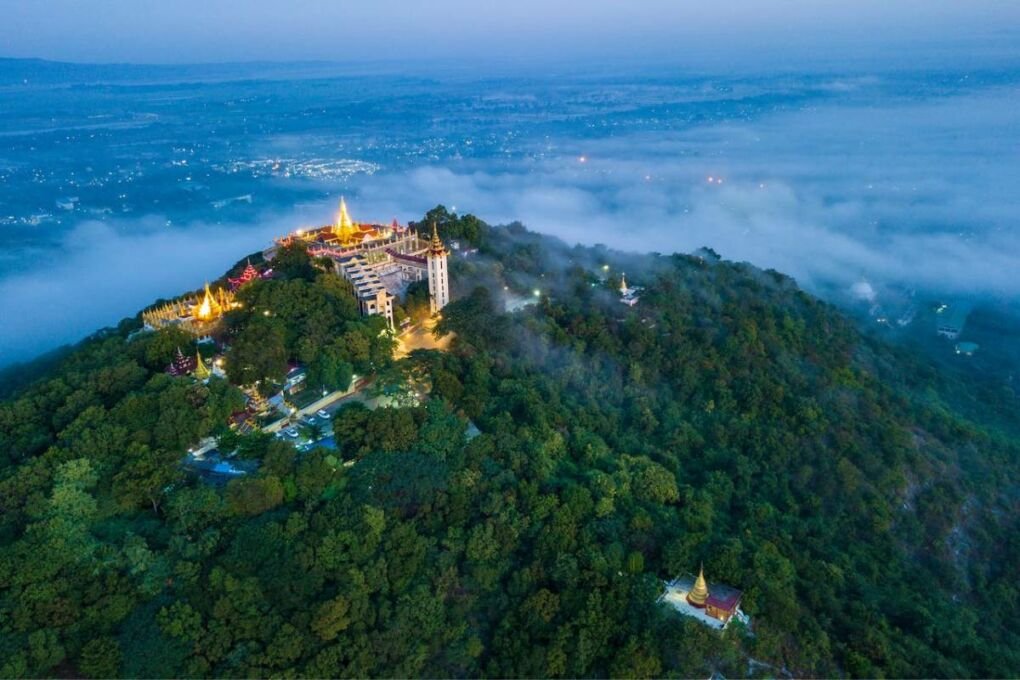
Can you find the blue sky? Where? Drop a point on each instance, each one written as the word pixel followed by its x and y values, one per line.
pixel 527 31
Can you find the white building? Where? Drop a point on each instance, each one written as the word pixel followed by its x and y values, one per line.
pixel 439 279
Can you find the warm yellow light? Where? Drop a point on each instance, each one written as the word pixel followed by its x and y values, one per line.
pixel 537 292
pixel 205 310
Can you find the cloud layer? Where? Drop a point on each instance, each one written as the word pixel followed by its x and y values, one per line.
pixel 107 271
pixel 919 193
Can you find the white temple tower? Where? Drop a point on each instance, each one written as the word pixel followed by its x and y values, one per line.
pixel 439 279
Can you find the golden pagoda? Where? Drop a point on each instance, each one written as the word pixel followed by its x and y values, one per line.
pixel 344 228
pixel 699 593
pixel 202 371
pixel 623 284
pixel 209 308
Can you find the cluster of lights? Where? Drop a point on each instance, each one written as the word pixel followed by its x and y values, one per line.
pixel 715 180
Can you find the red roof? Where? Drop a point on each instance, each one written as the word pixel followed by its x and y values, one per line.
pixel 722 597
pixel 403 256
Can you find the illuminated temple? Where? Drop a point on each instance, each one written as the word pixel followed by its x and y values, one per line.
pixel 198 314
pixel 379 260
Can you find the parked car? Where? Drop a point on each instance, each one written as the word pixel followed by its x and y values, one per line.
pixel 322 413
pixel 309 420
pixel 291 432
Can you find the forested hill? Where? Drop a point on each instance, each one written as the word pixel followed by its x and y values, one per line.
pixel 519 519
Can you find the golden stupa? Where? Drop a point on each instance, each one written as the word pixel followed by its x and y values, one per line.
pixel 344 226
pixel 202 371
pixel 699 593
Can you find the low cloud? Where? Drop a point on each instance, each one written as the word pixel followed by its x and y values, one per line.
pixel 105 271
pixel 918 194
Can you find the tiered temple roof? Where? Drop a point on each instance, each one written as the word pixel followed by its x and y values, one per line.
pixel 256 402
pixel 181 364
pixel 436 246
pixel 249 274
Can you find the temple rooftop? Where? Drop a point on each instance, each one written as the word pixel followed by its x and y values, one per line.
pixel 720 596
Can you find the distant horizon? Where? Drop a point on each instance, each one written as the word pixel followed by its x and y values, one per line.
pixel 570 66
pixel 527 33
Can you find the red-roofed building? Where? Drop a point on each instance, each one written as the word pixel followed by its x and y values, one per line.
pixel 714 604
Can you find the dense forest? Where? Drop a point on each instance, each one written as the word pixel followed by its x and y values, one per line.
pixel 518 512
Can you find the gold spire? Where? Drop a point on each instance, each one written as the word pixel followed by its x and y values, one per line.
pixel 699 593
pixel 623 284
pixel 344 227
pixel 201 370
pixel 436 246
pixel 224 299
pixel 209 308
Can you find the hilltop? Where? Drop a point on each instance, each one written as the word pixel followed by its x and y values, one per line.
pixel 513 505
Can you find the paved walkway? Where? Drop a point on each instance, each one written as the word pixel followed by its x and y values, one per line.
pixel 420 337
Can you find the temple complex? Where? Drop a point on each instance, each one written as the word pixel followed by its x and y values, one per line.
pixel 378 260
pixel 629 296
pixel 198 314
pixel 713 604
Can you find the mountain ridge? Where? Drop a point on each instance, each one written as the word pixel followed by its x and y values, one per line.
pixel 727 418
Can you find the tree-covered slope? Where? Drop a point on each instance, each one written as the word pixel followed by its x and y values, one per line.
pixel 728 418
